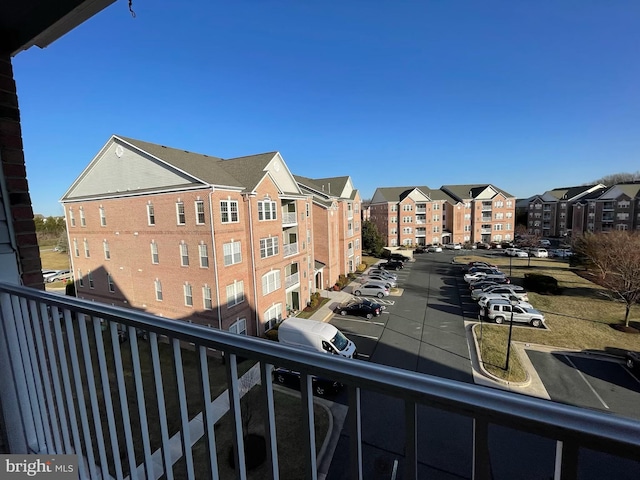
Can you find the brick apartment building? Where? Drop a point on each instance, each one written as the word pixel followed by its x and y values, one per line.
pixel 451 214
pixel 616 208
pixel 551 214
pixel 224 243
pixel 336 224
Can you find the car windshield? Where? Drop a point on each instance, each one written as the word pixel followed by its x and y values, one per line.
pixel 340 341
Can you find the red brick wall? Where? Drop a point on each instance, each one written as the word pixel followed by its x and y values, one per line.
pixel 14 170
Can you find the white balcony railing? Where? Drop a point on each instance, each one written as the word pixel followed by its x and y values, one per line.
pixel 289 218
pixel 68 385
pixel 291 280
pixel 289 249
pixel 349 252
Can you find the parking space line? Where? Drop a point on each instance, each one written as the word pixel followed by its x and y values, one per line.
pixel 587 382
pixel 361 335
pixel 362 321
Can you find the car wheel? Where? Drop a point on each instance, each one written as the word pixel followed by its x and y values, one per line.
pixel 536 322
pixel 319 389
pixel 499 320
pixel 369 316
pixel 357 293
pixel 343 312
pixel 380 295
pixel 630 363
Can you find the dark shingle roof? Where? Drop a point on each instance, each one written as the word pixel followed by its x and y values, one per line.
pixel 243 172
pixel 463 192
pixel 395 194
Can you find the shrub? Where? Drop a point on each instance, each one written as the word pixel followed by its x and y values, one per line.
pixel 361 268
pixel 272 334
pixel 543 284
pixel 351 276
pixel 342 281
pixel 314 301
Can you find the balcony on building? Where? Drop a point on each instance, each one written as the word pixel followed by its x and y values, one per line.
pixel 421 232
pixel 421 209
pixel 485 229
pixel 290 245
pixel 608 206
pixel 486 206
pixel 546 216
pixel 289 213
pixel 349 212
pixel 486 218
pixel 421 219
pixel 607 217
pixel 546 208
pixel 291 275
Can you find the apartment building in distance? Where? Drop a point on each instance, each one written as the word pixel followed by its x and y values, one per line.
pixel 336 226
pixel 419 215
pixel 613 208
pixel 224 243
pixel 551 214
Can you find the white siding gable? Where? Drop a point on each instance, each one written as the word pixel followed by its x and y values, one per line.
pixel 486 194
pixel 417 196
pixel 121 169
pixel 281 175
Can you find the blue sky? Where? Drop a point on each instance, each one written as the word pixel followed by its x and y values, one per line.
pixel 527 95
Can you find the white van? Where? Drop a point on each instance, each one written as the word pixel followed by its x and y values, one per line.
pixel 317 336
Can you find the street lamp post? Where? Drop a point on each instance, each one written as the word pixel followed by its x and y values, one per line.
pixel 513 301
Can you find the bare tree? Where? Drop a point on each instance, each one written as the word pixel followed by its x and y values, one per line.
pixel 616 257
pixel 616 178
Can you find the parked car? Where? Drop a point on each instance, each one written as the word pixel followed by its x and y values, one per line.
pixel 545 243
pixel 398 257
pixel 384 273
pixel 381 278
pixel 487 270
pixel 419 249
pixel 560 253
pixel 372 289
pixel 49 273
pixel 434 248
pixel 453 246
pixel 481 284
pixel 391 265
pixel 504 290
pixel 499 310
pixel 61 275
pixel 539 252
pixel 487 297
pixel 515 252
pixel 478 264
pixel 473 276
pixel 321 386
pixel 483 246
pixel 632 361
pixel 360 307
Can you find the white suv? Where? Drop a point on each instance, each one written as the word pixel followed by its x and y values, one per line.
pixel 539 252
pixel 499 310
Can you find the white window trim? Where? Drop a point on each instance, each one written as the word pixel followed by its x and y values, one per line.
pixel 198 213
pixel 271 281
pixel 233 251
pixel 235 293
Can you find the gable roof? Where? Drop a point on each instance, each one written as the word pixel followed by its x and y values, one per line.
pixel 397 194
pixel 630 189
pixel 572 193
pixel 464 192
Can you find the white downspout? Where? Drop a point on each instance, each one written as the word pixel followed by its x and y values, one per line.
pixel 253 266
pixel 215 259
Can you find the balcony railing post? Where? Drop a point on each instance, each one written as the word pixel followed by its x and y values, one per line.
pixel 355 432
pixel 481 458
pixel 11 388
pixel 411 440
pixel 269 421
pixel 308 425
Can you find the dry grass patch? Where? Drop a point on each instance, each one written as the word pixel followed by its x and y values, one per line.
pixel 493 345
pixel 580 318
pixel 54 260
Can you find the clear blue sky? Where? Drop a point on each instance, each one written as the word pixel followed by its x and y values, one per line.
pixel 528 95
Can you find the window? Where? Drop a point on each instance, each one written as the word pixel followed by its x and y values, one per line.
pixel 394 242
pixel 235 293
pixel 563 205
pixel 90 278
pixel 103 218
pixel 467 205
pixel 509 215
pixel 107 252
pixel 436 218
pixel 76 249
pixel 188 295
pixel 394 231
pixel 499 216
pixel 199 212
pixel 232 253
pixel 80 278
pixel 436 229
pixel 357 244
pixel 184 255
pixel 239 327
pixel 271 282
pixel 467 228
pixel 507 226
pixel 268 247
pixel 180 216
pixel 204 256
pixel 497 226
pixel 151 215
pixel 228 211
pixel 436 206
pixel 155 259
pixel 509 203
pixel 272 316
pixel 206 297
pixel 623 204
pixel 267 210
pixel 394 208
pixel 83 221
pixel 406 230
pixel 308 209
pixel 86 248
pixel 407 208
pixel 394 220
pixel 467 216
pixel 112 287
pixel 72 218
pixel 499 204
pixel 158 286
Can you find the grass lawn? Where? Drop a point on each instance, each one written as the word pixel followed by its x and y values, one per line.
pixel 54 261
pixel 580 318
pixel 288 419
